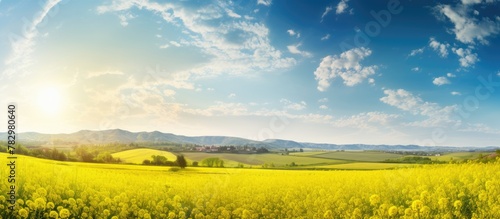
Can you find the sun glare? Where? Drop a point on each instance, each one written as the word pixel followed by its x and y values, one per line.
pixel 49 100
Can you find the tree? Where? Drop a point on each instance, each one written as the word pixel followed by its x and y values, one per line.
pixel 158 160
pixel 105 157
pixel 213 162
pixel 83 154
pixel 146 162
pixel 195 163
pixel 181 161
pixel 262 150
pixel 301 150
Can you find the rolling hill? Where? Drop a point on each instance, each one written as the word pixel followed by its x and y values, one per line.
pixel 156 137
pixel 136 156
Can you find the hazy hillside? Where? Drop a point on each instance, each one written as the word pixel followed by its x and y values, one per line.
pixel 123 136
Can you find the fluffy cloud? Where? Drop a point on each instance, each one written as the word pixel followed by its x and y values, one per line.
pixel 250 53
pixel 292 105
pixel 365 120
pixel 124 18
pixel 456 93
pixel 441 81
pixel 264 2
pixel 20 57
pixel 466 57
pixel 294 49
pixel 327 10
pixel 176 44
pixel 415 69
pixel 346 66
pixel 327 36
pixel 293 33
pixel 416 52
pixel 323 107
pixel 436 115
pixel 232 14
pixel 450 75
pixel 441 48
pixel 469 29
pixel 342 6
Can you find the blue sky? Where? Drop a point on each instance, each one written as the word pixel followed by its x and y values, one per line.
pixel 376 72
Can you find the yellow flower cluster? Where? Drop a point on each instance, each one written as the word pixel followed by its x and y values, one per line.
pixel 71 190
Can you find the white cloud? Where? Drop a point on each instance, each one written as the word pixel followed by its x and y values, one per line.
pixel 456 93
pixel 417 51
pixel 323 107
pixel 327 10
pixel 101 73
pixel 450 75
pixel 323 100
pixel 467 58
pixel 164 46
pixel 292 105
pixel 436 115
pixel 498 74
pixel 220 109
pixel 467 2
pixel 366 120
pixel 231 95
pixel 124 18
pixel 342 6
pixel 441 48
pixel 415 69
pixel 20 56
pixel 469 29
pixel 441 81
pixel 232 14
pixel 346 66
pixel 294 49
pixel 176 44
pixel 327 36
pixel 210 89
pixel 371 81
pixel 264 2
pixel 479 127
pixel 251 53
pixel 293 33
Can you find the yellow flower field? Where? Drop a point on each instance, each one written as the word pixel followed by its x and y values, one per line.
pixel 50 189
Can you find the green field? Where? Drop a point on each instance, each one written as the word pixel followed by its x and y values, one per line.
pixel 458 156
pixel 349 160
pixel 260 159
pixel 306 154
pixel 361 156
pixel 136 156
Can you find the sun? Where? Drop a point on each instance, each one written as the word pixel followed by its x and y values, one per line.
pixel 49 100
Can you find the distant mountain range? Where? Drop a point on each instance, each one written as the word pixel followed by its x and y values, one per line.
pixel 123 136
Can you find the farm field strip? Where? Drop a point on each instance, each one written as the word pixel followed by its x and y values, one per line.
pixel 361 156
pixel 137 156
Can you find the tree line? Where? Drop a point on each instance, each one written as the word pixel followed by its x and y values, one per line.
pixel 159 160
